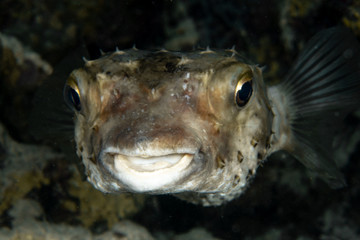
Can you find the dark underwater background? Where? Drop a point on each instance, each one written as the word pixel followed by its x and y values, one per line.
pixel 43 194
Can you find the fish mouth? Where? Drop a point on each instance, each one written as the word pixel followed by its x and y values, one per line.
pixel 152 163
pixel 149 173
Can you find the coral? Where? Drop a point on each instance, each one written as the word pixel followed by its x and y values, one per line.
pixel 56 28
pixel 14 52
pixel 21 72
pixel 26 227
pixel 292 11
pixel 352 20
pixel 22 184
pixel 267 52
pixel 128 230
pixel 299 8
pixel 96 206
pixel 25 168
pixel 184 34
pixel 196 234
pixel 21 169
pixel 336 225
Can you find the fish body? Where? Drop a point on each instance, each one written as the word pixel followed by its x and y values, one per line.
pixel 198 124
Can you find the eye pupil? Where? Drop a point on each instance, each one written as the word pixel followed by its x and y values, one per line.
pixel 72 98
pixel 243 94
pixel 75 98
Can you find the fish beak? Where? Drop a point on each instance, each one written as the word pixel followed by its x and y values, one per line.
pixel 150 173
pixel 151 163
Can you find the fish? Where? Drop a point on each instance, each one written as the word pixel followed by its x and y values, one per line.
pixel 198 124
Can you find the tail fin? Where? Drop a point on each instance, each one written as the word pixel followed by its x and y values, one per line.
pixel 323 87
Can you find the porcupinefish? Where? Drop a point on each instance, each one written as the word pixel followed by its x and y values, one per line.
pixel 198 124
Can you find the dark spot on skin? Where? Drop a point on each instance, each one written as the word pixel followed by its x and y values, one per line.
pixel 249 175
pixel 240 157
pixel 92 159
pixel 81 148
pixel 268 145
pixel 254 143
pixel 95 128
pixel 170 67
pixel 220 162
pixel 236 180
pixel 108 73
pixel 119 235
pixel 268 140
pixel 259 156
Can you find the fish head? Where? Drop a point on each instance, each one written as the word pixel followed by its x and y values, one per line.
pixel 193 124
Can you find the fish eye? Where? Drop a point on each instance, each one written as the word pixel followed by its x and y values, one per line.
pixel 72 95
pixel 243 91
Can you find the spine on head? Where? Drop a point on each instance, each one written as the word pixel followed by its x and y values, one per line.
pixel 321 89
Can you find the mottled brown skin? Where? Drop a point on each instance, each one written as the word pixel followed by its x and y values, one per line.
pixel 146 104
